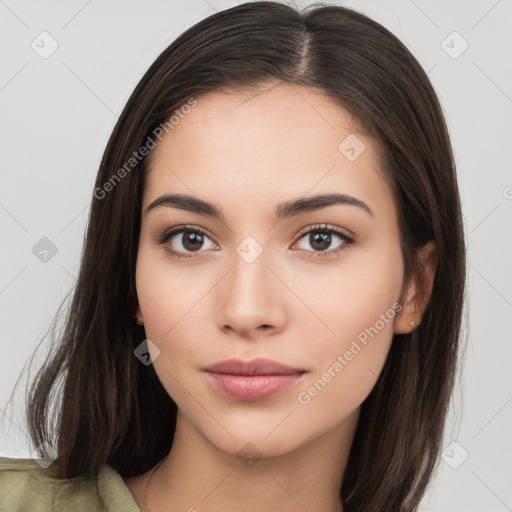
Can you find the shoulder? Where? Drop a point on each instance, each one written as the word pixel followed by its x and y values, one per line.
pixel 31 485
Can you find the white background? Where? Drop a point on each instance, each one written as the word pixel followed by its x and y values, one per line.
pixel 57 114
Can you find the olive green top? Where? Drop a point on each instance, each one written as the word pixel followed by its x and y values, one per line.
pixel 27 486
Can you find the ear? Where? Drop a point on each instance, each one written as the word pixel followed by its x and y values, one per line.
pixel 419 290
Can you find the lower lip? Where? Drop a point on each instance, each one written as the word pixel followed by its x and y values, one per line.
pixel 252 387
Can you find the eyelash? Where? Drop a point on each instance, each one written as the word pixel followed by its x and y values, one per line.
pixel 166 235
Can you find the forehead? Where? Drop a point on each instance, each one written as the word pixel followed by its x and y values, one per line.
pixel 238 147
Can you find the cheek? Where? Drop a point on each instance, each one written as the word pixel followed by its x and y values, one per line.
pixel 173 304
pixel 352 296
pixel 166 293
pixel 359 307
pixel 350 364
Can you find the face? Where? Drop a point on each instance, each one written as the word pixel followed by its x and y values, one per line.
pixel 313 286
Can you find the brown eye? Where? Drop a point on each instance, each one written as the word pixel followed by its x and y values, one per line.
pixel 321 238
pixel 184 241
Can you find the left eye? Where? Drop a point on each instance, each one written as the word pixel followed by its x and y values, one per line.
pixel 321 238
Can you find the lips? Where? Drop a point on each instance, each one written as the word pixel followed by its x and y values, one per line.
pixel 252 380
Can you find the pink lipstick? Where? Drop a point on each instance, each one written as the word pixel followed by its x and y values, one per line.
pixel 252 380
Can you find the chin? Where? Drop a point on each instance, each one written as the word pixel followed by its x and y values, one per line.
pixel 252 448
pixel 256 436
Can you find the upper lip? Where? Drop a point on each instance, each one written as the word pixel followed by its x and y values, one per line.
pixel 257 366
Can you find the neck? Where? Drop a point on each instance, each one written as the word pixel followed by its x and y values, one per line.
pixel 197 476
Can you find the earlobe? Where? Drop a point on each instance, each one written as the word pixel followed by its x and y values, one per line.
pixel 420 290
pixel 138 317
pixel 406 320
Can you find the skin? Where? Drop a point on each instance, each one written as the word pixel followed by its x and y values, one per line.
pixel 247 154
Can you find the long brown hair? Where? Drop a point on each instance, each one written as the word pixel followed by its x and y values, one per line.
pixel 93 399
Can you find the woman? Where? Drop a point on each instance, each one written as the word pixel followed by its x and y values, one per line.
pixel 268 310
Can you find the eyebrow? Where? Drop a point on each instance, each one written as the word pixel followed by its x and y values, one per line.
pixel 284 210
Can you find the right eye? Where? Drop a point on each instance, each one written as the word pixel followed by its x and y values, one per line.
pixel 183 239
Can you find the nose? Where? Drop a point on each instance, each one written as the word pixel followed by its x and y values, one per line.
pixel 250 300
